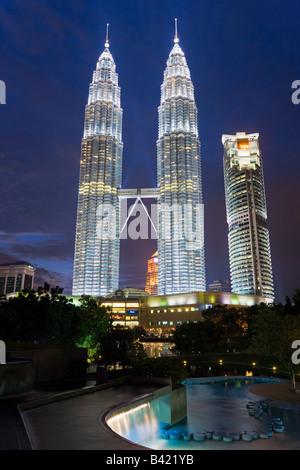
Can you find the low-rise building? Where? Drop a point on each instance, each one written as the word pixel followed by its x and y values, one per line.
pixel 159 315
pixel 125 306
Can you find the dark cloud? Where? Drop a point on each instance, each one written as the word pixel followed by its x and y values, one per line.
pixel 52 278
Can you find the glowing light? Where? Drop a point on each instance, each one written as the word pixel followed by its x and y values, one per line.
pixel 135 424
pixel 243 145
pixel 125 413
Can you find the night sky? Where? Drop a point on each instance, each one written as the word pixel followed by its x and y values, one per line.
pixel 243 57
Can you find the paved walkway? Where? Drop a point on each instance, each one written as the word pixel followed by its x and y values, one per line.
pixel 13 435
pixel 75 423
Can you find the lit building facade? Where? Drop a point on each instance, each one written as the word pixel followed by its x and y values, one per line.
pixel 160 315
pixel 181 261
pixel 97 243
pixel 16 277
pixel 246 209
pixel 124 305
pixel 152 275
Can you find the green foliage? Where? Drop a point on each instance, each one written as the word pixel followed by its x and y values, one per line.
pixel 48 317
pixel 274 328
pixel 120 345
pixel 221 325
pixel 94 321
pixel 225 324
pixel 190 338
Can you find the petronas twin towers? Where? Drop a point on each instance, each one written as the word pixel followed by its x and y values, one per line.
pixel 179 193
pixel 180 215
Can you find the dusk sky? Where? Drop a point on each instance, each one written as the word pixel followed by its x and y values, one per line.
pixel 243 57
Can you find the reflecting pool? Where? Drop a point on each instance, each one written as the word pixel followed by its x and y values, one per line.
pixel 220 405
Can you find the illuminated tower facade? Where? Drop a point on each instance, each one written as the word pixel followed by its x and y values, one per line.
pixel 151 281
pixel 181 261
pixel 248 235
pixel 96 259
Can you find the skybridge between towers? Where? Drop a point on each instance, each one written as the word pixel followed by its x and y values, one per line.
pixel 140 193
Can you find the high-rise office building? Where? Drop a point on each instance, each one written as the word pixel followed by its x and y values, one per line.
pixel 152 275
pixel 181 264
pixel 248 235
pixel 96 260
pixel 219 286
pixel 16 277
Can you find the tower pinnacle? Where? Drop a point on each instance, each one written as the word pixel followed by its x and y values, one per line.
pixel 106 40
pixel 176 39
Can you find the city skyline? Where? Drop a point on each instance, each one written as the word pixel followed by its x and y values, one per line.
pixel 243 62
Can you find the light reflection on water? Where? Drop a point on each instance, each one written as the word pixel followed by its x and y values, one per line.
pixel 135 424
pixel 156 349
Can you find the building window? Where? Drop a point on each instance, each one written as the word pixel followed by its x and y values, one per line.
pixel 10 285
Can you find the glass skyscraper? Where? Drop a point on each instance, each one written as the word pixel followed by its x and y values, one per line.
pixel 96 259
pixel 246 209
pixel 181 263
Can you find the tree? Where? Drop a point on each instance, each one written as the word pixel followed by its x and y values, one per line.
pixel 226 324
pixel 48 317
pixel 189 338
pixel 120 345
pixel 61 319
pixel 20 320
pixel 274 329
pixel 95 321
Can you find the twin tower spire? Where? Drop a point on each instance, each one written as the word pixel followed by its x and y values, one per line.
pixel 180 226
pixel 176 39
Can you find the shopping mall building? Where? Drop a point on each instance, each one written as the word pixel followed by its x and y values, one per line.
pixel 159 315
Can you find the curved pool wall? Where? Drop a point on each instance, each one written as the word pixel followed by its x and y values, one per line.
pixel 234 378
pixel 141 419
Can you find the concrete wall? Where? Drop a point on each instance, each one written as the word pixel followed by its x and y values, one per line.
pixel 16 377
pixel 56 363
pixel 178 404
